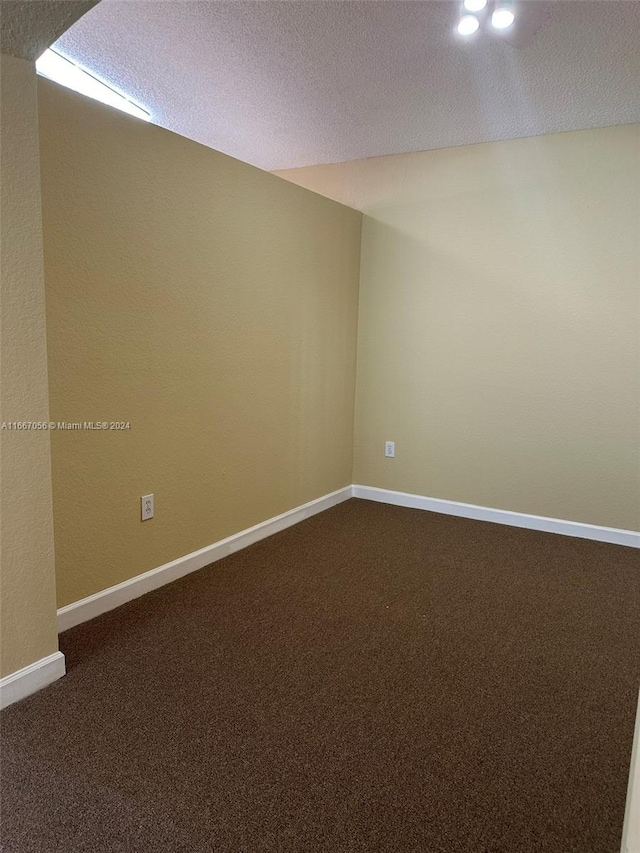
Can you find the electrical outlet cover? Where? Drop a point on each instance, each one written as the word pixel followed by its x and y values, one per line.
pixel 146 507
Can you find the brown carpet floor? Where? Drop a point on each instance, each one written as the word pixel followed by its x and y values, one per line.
pixel 373 679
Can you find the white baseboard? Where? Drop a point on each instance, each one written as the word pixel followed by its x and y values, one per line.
pixel 613 535
pixel 631 829
pixel 31 678
pixel 92 606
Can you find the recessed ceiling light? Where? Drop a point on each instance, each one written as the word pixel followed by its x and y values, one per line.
pixel 468 25
pixel 502 18
pixel 67 73
pixel 474 5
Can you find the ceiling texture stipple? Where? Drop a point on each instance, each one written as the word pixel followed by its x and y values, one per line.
pixel 27 27
pixel 286 84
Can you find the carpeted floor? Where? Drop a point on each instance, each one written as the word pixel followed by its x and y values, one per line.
pixel 373 679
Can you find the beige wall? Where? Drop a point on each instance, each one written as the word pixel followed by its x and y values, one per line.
pixel 500 322
pixel 211 305
pixel 27 579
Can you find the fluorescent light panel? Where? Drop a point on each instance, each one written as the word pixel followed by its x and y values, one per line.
pixel 67 73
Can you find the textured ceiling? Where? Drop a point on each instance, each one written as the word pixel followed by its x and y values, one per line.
pixel 285 84
pixel 28 27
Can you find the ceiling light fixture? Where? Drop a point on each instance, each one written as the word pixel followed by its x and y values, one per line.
pixel 67 73
pixel 502 17
pixel 467 25
pixel 474 5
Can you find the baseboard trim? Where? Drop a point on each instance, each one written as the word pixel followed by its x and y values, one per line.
pixel 612 535
pixel 30 679
pixel 631 828
pixel 108 599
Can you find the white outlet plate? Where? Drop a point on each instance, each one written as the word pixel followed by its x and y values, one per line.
pixel 390 449
pixel 146 507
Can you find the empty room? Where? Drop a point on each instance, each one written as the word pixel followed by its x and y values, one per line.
pixel 320 426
